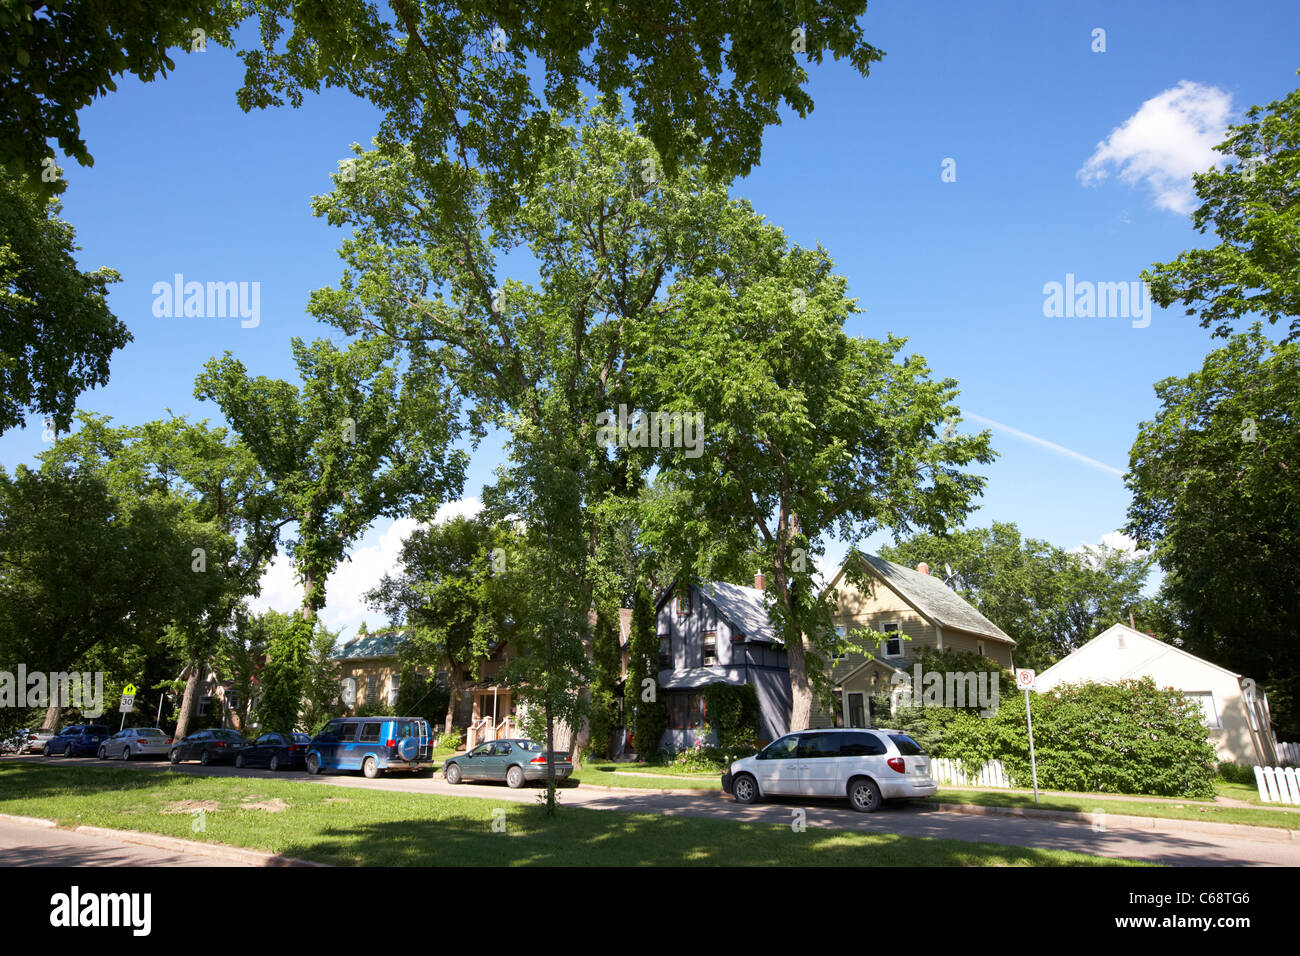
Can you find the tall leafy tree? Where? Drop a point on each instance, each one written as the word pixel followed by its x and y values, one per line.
pixel 606 659
pixel 56 330
pixel 1215 492
pixel 645 710
pixel 806 431
pixel 452 595
pixel 1253 206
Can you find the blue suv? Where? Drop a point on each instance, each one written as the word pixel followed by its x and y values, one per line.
pixel 371 745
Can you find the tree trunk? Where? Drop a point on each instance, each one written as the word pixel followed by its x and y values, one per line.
pixel 51 717
pixel 453 687
pixel 187 700
pixel 801 695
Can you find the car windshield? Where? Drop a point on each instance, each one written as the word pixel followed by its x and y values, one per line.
pixel 301 739
pixel 906 745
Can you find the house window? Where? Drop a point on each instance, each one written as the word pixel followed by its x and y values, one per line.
pixel 232 699
pixel 204 703
pixel 677 711
pixel 1210 713
pixel 696 711
pixel 892 646
pixel 710 648
pixel 839 635
pixel 979 648
pixel 392 690
pixel 686 712
pixel 348 691
pixel 683 602
pixel 665 652
pixel 370 688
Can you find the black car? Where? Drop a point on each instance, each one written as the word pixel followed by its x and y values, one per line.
pixel 79 740
pixel 209 746
pixel 275 751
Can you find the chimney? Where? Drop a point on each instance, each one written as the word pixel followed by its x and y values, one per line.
pixel 759 581
pixel 923 568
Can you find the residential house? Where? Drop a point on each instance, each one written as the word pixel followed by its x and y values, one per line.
pixel 369 669
pixel 218 703
pixel 718 633
pixel 1236 712
pixel 921 610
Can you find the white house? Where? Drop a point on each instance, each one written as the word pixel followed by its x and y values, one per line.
pixel 1236 712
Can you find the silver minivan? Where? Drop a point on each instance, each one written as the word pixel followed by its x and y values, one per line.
pixel 866 766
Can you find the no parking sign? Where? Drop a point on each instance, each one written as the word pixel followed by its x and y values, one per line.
pixel 1025 679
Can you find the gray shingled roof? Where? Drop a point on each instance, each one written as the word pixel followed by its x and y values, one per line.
pixel 743 607
pixel 935 600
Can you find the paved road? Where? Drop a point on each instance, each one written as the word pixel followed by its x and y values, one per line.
pixel 26 845
pixel 1185 848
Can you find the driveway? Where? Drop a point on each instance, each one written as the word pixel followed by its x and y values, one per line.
pixel 1179 848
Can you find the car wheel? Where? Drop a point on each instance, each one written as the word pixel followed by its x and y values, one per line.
pixel 174 756
pixel 864 795
pixel 451 773
pixel 370 768
pixel 745 789
pixel 126 752
pixel 275 762
pixel 239 762
pixel 515 777
pixel 203 758
pixel 313 764
pixel 67 751
pixel 103 753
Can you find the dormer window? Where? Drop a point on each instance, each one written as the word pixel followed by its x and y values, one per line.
pixel 683 601
pixel 710 648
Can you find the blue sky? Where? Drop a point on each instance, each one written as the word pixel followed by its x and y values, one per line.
pixel 1012 93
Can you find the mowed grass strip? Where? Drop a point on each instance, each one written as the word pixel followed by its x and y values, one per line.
pixel 1166 809
pixel 644 776
pixel 350 826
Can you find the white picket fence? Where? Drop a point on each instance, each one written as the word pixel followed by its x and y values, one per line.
pixel 1278 784
pixel 945 770
pixel 1288 754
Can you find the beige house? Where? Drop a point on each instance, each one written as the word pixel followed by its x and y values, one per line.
pixel 924 613
pixel 368 669
pixel 1236 712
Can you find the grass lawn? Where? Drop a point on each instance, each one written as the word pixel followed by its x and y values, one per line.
pixel 352 826
pixel 662 776
pixel 1166 808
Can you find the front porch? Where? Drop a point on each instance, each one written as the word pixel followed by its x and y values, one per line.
pixel 495 715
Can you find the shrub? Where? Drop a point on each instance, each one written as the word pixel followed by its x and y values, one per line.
pixel 700 758
pixel 1237 773
pixel 1130 737
pixel 449 741
pixel 734 714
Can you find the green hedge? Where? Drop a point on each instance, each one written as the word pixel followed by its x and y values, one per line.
pixel 1130 737
pixel 734 715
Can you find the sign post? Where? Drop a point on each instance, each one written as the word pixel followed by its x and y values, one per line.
pixel 1025 681
pixel 128 703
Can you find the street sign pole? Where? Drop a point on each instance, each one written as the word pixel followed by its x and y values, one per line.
pixel 1025 680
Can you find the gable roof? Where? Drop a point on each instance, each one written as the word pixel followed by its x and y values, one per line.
pixel 1159 647
pixel 366 646
pixel 932 598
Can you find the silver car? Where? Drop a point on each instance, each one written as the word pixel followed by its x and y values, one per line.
pixel 34 741
pixel 135 742
pixel 866 766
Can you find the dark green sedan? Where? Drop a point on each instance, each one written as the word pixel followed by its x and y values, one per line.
pixel 515 761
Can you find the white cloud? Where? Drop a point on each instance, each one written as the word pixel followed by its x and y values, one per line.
pixel 1111 541
pixel 464 508
pixel 1170 137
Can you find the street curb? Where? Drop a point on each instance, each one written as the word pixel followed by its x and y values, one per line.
pixel 175 844
pixel 688 793
pixel 27 821
pixel 178 845
pixel 1122 821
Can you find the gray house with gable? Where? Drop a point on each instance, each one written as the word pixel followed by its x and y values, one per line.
pixel 718 633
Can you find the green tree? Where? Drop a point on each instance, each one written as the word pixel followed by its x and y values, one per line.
pixel 647 715
pixel 286 675
pixel 321 699
pixel 452 596
pixel 56 330
pixel 1048 600
pixel 356 442
pixel 1253 206
pixel 804 431
pixel 1215 492
pixel 606 660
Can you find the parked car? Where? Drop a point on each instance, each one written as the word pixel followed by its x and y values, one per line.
pixel 79 740
pixel 866 766
pixel 372 745
pixel 208 746
pixel 515 761
pixel 35 741
pixel 275 751
pixel 135 742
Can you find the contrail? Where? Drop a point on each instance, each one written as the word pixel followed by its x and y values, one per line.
pixel 1050 446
